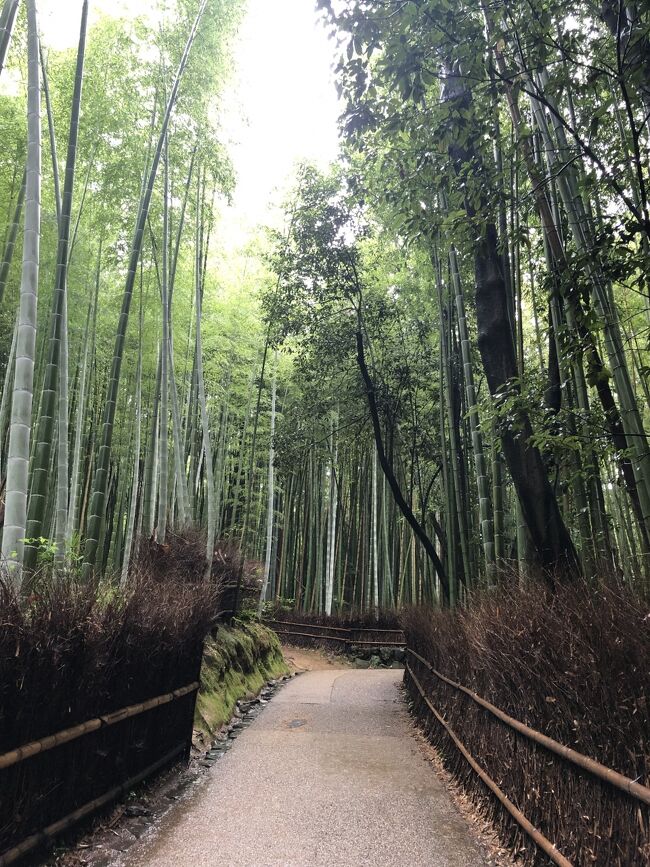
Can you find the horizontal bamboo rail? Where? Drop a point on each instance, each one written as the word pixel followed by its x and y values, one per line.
pixel 353 641
pixel 607 775
pixel 51 831
pixel 543 842
pixel 336 628
pixel 71 734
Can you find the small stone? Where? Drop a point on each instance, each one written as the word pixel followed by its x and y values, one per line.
pixel 123 841
pixel 386 654
pixel 106 861
pixel 136 810
pixel 139 828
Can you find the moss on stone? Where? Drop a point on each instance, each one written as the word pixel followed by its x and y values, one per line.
pixel 237 662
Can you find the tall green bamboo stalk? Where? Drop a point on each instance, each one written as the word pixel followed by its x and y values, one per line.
pixel 205 423
pixel 135 478
pixel 98 500
pixel 15 522
pixel 480 464
pixel 11 238
pixel 161 528
pixel 270 494
pixel 90 333
pixel 7 17
pixel 54 398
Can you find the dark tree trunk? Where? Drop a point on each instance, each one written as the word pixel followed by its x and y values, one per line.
pixel 553 546
pixel 615 426
pixel 387 469
pixel 554 549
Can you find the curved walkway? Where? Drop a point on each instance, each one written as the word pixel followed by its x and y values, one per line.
pixel 328 774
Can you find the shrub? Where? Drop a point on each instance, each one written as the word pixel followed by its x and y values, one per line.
pixel 75 651
pixel 574 666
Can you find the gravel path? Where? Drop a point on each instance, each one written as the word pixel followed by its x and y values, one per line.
pixel 328 774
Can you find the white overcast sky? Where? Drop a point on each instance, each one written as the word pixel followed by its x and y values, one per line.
pixel 280 107
pixel 285 95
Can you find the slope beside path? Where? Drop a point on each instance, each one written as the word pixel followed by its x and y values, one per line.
pixel 328 774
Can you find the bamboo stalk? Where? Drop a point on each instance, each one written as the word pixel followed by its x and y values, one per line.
pixel 11 239
pixel 15 520
pixel 270 493
pixel 6 25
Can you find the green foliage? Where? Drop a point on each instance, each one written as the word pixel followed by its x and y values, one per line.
pixel 455 116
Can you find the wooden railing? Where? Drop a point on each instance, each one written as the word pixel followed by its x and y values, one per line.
pixel 93 727
pixel 606 775
pixel 71 734
pixel 367 636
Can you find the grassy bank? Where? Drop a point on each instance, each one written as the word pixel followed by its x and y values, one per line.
pixel 237 662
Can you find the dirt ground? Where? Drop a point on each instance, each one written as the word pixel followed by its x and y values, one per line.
pixel 301 659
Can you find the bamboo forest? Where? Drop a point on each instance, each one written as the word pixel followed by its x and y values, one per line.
pixel 406 409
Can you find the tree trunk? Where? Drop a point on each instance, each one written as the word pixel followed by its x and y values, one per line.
pixel 553 546
pixel 15 521
pixel 403 506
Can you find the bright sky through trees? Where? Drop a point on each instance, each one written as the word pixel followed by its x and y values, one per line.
pixel 281 105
